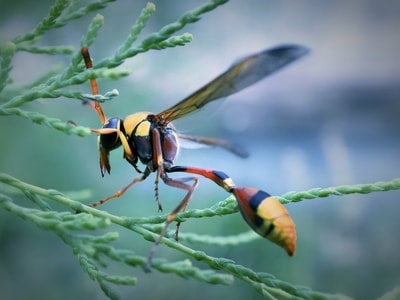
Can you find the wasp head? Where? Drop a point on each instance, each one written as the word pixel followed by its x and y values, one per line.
pixel 109 141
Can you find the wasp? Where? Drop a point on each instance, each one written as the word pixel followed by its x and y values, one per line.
pixel 152 141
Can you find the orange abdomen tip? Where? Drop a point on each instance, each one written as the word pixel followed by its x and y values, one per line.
pixel 267 216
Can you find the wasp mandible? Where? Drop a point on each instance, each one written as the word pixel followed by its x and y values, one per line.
pixel 152 140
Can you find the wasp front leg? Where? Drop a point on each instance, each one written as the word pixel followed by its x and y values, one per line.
pixel 105 165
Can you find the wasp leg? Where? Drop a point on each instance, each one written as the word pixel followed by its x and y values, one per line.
pixel 178 183
pixel 158 164
pixel 120 192
pixel 127 152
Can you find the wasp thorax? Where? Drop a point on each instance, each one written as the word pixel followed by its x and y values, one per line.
pixel 144 134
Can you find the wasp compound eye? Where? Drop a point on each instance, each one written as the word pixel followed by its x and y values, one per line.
pixel 111 141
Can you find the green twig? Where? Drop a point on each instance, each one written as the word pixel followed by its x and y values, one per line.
pixel 136 29
pixel 380 186
pixel 54 123
pixel 6 55
pixel 163 38
pixel 89 247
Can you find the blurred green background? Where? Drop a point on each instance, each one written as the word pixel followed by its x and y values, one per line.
pixel 329 119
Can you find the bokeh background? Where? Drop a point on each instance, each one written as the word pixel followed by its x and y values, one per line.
pixel 330 119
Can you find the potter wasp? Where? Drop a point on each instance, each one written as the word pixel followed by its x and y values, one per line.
pixel 151 140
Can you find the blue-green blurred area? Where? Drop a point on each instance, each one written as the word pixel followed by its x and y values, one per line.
pixel 331 118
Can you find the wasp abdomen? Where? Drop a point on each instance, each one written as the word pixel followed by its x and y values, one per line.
pixel 169 145
pixel 267 216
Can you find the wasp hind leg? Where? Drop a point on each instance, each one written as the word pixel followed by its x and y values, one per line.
pixel 181 184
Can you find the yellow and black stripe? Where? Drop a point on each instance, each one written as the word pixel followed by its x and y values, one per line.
pixel 263 212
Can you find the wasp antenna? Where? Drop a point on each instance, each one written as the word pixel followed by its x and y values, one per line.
pixel 93 83
pixel 86 57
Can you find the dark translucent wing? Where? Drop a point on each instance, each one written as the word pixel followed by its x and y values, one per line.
pixel 242 74
pixel 215 142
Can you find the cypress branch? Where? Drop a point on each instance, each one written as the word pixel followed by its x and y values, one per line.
pixel 88 233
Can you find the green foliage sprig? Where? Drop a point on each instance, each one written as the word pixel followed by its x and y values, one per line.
pixel 84 232
pixel 53 84
pixel 95 250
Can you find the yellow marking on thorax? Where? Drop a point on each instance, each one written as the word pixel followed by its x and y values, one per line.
pixel 137 120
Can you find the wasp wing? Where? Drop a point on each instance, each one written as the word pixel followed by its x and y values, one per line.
pixel 215 142
pixel 242 74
